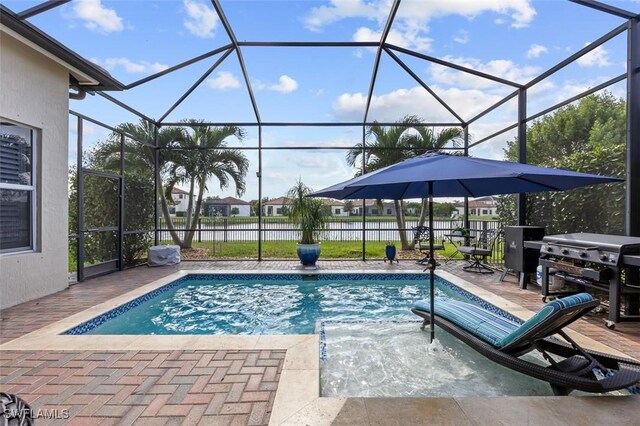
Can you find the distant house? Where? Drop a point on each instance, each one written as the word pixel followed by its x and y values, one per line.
pixel 485 206
pixel 180 199
pixel 337 207
pixel 373 208
pixel 275 207
pixel 225 207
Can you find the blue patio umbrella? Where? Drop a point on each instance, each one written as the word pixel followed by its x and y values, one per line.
pixel 442 175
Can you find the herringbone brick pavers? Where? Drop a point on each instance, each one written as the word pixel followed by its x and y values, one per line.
pixel 121 387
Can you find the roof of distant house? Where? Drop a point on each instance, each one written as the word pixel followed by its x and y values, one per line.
pixel 280 201
pixel 177 190
pixel 233 201
pixel 489 199
pixel 474 204
pixel 371 203
pixel 332 202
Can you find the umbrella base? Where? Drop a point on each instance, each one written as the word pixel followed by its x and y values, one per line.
pixel 426 260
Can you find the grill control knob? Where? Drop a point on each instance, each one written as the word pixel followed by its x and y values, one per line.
pixel 564 251
pixel 583 254
pixel 603 257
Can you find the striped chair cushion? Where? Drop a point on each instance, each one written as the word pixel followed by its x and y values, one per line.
pixel 484 324
pixel 544 312
pixel 491 327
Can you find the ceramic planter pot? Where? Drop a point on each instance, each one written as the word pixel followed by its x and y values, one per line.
pixel 308 253
pixel 390 251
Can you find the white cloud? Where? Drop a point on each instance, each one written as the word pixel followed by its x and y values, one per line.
pixel 394 105
pixel 520 11
pixel 285 84
pixel 461 37
pixel 503 68
pixel 130 66
pixel 223 80
pixel 408 38
pixel 536 50
pixel 97 17
pixel 494 147
pixel 413 17
pixel 598 57
pixel 201 19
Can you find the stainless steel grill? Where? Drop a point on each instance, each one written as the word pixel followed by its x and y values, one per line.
pixel 597 261
pixel 594 248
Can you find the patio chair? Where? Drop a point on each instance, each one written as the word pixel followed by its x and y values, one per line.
pixel 477 252
pixel 505 339
pixel 421 240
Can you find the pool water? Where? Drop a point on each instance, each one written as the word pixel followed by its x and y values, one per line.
pixel 396 359
pixel 263 304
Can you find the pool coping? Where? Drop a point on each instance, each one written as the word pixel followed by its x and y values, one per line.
pixel 298 394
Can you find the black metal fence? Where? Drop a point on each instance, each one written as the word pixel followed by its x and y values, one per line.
pixel 219 235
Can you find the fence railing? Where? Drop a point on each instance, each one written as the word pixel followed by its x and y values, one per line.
pixel 218 235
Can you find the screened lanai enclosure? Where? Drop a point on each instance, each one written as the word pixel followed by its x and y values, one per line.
pixel 200 149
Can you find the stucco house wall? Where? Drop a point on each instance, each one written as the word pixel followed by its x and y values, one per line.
pixel 244 209
pixel 34 93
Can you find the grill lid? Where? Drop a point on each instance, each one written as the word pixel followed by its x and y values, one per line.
pixel 613 243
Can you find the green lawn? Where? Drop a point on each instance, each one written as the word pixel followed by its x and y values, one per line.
pixel 287 249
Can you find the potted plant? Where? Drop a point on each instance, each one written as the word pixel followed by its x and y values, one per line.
pixel 310 215
pixel 459 231
pixel 390 252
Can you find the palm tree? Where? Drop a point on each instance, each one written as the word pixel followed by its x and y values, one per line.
pixel 189 157
pixel 386 146
pixel 203 155
pixel 141 157
pixel 425 140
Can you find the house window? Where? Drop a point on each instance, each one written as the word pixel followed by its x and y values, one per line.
pixel 388 211
pixel 337 211
pixel 17 188
pixel 484 211
pixel 269 210
pixel 279 210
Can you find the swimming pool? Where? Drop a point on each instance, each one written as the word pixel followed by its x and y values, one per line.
pixel 267 303
pixel 370 342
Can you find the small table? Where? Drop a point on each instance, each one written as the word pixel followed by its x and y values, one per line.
pixel 450 237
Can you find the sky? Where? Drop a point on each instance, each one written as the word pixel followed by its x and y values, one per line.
pixel 514 39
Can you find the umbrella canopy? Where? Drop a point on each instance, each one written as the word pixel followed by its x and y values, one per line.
pixel 458 176
pixel 442 175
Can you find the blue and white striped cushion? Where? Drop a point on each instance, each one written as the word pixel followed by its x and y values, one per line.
pixel 484 324
pixel 491 327
pixel 547 310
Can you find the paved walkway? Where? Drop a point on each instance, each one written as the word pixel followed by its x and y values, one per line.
pixel 211 387
pixel 147 387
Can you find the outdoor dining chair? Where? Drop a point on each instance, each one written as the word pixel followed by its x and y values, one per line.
pixel 478 252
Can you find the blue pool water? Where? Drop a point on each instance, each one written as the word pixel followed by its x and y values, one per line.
pixel 267 304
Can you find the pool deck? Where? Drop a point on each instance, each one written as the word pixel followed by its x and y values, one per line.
pixel 251 379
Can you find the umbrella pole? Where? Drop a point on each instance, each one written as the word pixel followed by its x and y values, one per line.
pixel 432 266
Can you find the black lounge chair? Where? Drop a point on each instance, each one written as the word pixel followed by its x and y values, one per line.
pixel 504 340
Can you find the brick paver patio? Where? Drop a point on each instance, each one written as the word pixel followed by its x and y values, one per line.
pixel 188 387
pixel 145 387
